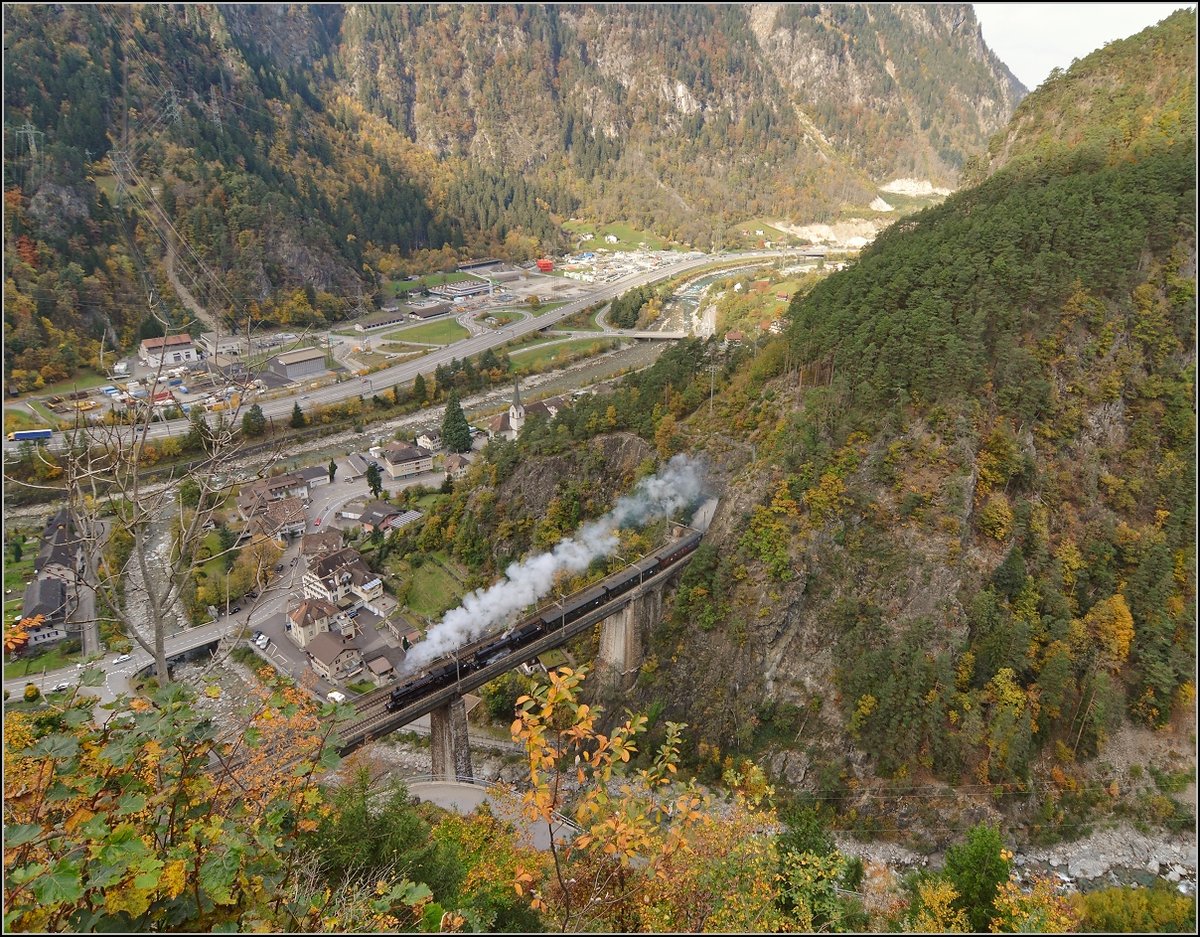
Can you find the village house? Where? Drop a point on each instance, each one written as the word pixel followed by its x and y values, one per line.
pixel 342 579
pixel 46 598
pixel 508 424
pixel 334 657
pixel 319 544
pixel 314 476
pixel 401 460
pixel 457 465
pixel 356 466
pixel 376 515
pixel 403 630
pixel 57 555
pixel 254 497
pixel 280 520
pixel 381 670
pixel 313 617
pixel 430 440
pixel 353 510
pixel 47 594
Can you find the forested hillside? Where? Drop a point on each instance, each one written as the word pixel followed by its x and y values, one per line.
pixel 1128 99
pixel 293 155
pixel 966 548
pixel 956 540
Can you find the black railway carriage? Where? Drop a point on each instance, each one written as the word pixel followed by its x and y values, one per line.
pixel 492 648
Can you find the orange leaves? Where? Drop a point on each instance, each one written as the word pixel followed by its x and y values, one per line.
pixel 639 832
pixel 521 880
pixel 15 639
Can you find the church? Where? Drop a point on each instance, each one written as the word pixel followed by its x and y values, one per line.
pixel 507 425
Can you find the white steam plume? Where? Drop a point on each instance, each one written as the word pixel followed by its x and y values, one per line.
pixel 678 485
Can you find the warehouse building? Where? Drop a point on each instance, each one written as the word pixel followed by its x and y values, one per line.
pixel 299 365
pixel 170 350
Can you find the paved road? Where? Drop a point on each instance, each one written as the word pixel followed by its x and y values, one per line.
pixel 272 602
pixel 463 797
pixel 476 344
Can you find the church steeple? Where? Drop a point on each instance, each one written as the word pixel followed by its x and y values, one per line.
pixel 516 412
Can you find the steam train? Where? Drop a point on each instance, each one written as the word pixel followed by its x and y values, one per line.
pixel 486 651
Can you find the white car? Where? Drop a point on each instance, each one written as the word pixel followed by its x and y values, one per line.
pixel 262 641
pixel 336 697
pixel 60 687
pixel 123 658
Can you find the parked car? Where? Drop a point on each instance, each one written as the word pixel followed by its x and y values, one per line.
pixel 123 658
pixel 317 522
pixel 279 567
pixel 263 641
pixel 257 635
pixel 252 595
pixel 235 610
pixel 336 697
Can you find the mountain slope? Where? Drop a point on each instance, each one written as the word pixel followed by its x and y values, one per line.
pixel 1124 98
pixel 301 152
pixel 959 544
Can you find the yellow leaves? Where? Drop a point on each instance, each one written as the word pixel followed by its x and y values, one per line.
pixel 522 879
pixel 307 825
pixel 862 711
pixel 1039 911
pixel 212 691
pixel 128 898
pixel 937 913
pixel 173 878
pixel 1004 690
pixel 79 816
pixel 1109 624
pixel 140 704
pixel 996 518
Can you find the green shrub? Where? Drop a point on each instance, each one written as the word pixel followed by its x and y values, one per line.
pixel 1124 910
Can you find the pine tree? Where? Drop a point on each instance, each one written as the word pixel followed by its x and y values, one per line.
pixel 198 432
pixel 374 479
pixel 298 420
pixel 254 423
pixel 456 433
pixel 419 389
pixel 332 470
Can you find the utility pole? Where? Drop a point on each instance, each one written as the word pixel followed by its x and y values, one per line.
pixel 214 107
pixel 33 138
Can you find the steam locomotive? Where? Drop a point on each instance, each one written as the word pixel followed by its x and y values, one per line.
pixel 491 648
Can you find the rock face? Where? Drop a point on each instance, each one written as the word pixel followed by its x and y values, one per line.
pixel 746 95
pixel 554 485
pixel 57 208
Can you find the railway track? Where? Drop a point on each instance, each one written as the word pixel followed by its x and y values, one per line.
pixel 376 720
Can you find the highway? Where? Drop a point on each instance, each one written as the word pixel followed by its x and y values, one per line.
pixel 476 344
